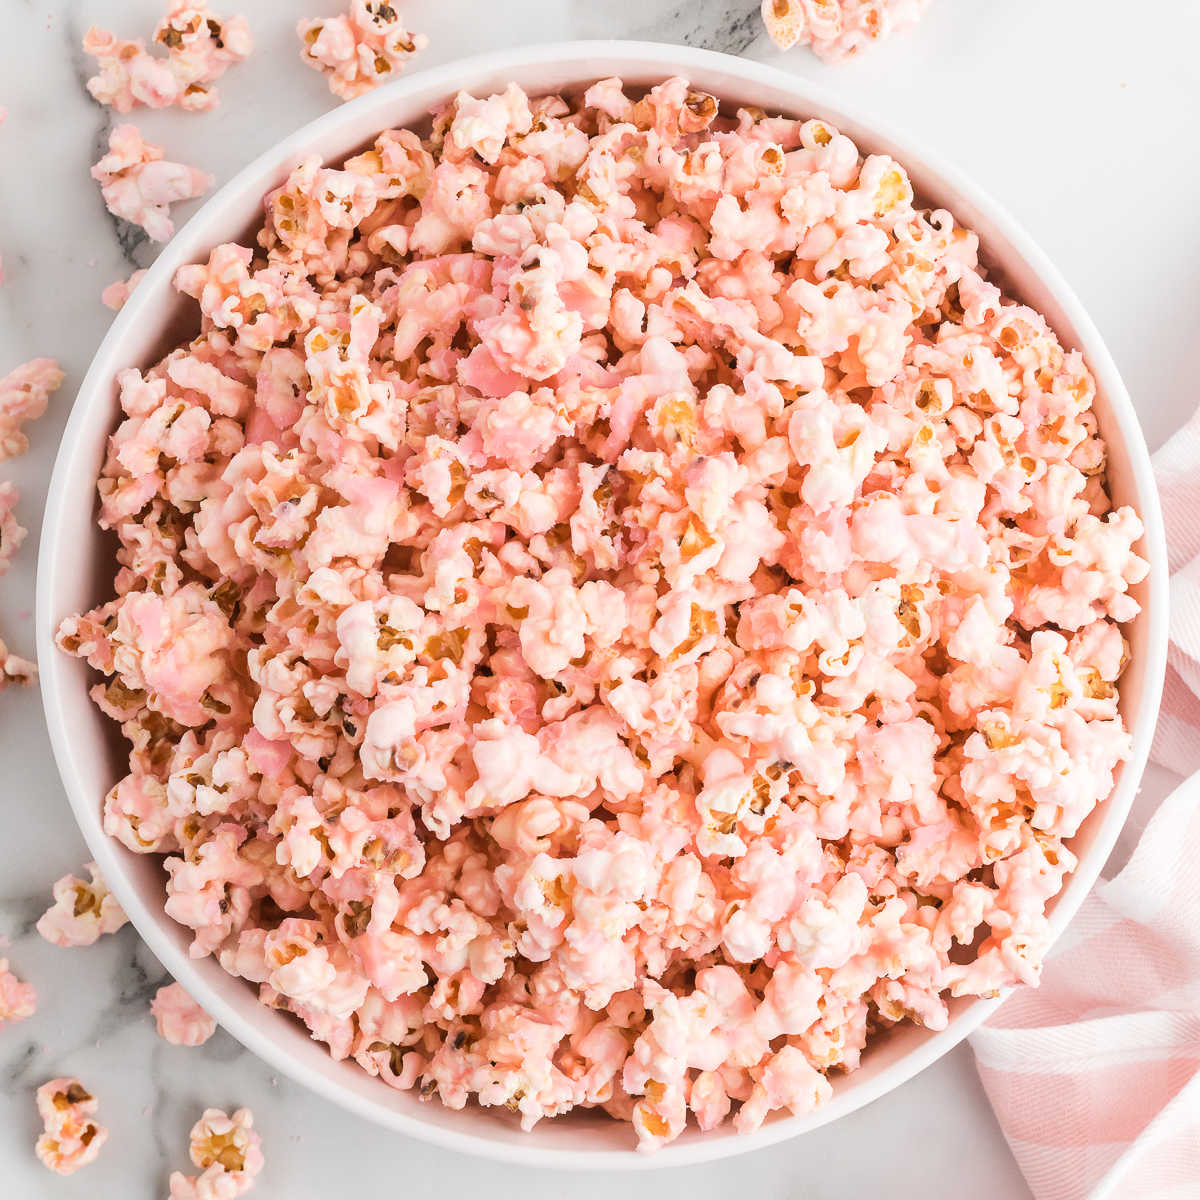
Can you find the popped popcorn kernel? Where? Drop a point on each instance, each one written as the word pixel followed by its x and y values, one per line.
pixel 229 1154
pixel 14 669
pixel 613 608
pixel 18 1000
pixel 24 393
pixel 359 49
pixel 139 185
pixel 83 911
pixel 838 29
pixel 12 532
pixel 199 48
pixel 71 1139
pixel 115 295
pixel 179 1019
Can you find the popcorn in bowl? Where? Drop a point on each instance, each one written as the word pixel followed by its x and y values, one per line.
pixel 614 610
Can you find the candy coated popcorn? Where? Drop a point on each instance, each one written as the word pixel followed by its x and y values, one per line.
pixel 214 1184
pixel 115 295
pixel 179 1019
pixel 18 1000
pixel 229 1154
pixel 12 533
pixel 613 607
pixel 837 29
pixel 139 185
pixel 82 911
pixel 358 49
pixel 14 669
pixel 71 1139
pixel 200 47
pixel 24 393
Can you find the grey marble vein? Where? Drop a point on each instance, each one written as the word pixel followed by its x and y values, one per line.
pixel 131 238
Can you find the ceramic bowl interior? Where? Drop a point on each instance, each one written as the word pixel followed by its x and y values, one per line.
pixel 77 567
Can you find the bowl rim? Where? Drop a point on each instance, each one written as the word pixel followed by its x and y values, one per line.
pixel 578 57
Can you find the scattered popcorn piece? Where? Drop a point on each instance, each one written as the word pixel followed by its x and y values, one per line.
pixel 214 1184
pixel 24 392
pixel 14 669
pixel 200 47
pixel 71 1139
pixel 139 185
pixel 18 1000
pixel 115 295
pixel 12 533
pixel 179 1019
pixel 81 912
pixel 359 49
pixel 838 29
pixel 229 1154
pixel 613 608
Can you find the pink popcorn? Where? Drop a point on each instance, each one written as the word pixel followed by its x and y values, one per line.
pixel 613 607
pixel 12 533
pixel 14 669
pixel 228 1153
pixel 200 48
pixel 837 29
pixel 24 393
pixel 139 185
pixel 484 126
pixel 179 1019
pixel 359 49
pixel 71 1138
pixel 115 295
pixel 18 1000
pixel 82 911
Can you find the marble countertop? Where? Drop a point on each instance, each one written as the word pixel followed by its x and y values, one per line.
pixel 1077 117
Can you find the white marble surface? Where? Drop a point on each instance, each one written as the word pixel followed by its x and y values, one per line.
pixel 1076 116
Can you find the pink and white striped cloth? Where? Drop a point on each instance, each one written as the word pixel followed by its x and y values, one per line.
pixel 1095 1075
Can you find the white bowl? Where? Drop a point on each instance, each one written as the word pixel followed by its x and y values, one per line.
pixel 76 570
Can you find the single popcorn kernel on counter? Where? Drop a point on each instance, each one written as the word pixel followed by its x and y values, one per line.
pixel 115 295
pixel 228 1153
pixel 613 608
pixel 200 47
pixel 359 49
pixel 18 1000
pixel 838 29
pixel 82 911
pixel 139 185
pixel 12 532
pixel 179 1019
pixel 14 669
pixel 71 1139
pixel 24 393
